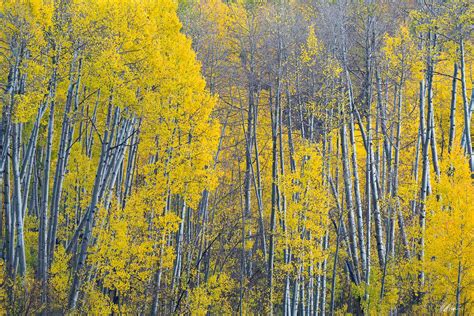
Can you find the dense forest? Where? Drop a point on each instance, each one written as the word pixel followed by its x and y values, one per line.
pixel 252 157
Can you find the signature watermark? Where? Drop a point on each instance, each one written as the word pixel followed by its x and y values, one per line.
pixel 446 308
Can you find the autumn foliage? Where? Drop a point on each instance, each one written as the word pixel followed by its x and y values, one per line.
pixel 212 157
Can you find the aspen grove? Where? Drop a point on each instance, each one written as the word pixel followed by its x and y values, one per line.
pixel 251 157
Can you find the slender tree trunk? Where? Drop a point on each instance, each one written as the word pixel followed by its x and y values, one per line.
pixel 61 164
pixel 458 289
pixel 452 114
pixel 349 204
pixel 81 260
pixel 424 180
pixel 334 268
pixel 395 184
pixel 467 114
pixel 258 184
pixel 274 208
pixel 17 202
pixel 358 201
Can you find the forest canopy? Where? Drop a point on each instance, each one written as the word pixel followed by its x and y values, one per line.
pixel 211 157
